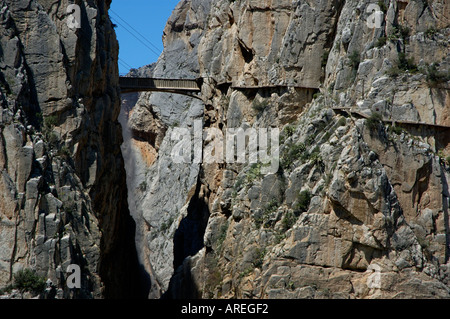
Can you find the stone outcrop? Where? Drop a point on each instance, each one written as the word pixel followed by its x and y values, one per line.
pixel 63 186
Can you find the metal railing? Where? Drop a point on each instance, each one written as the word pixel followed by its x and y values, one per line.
pixel 154 84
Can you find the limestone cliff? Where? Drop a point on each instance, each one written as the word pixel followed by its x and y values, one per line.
pixel 359 206
pixel 357 209
pixel 63 195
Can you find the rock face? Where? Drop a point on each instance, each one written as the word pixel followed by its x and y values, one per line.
pixel 158 188
pixel 287 50
pixel 358 207
pixel 63 186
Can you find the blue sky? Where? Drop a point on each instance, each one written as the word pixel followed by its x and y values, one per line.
pixel 140 25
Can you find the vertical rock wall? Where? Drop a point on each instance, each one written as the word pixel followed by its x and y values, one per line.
pixel 63 188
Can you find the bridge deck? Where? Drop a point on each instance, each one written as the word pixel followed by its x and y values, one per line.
pixel 182 86
pixel 362 115
pixel 273 86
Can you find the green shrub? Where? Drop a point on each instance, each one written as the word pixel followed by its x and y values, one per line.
pixel 270 208
pixel 303 201
pixel 317 95
pixel 53 139
pixel 430 32
pixel 382 6
pixel 240 182
pixel 143 186
pixel 259 259
pixel 447 159
pixel 259 220
pixel 69 206
pixel 259 106
pixel 293 153
pixel 214 276
pixel 393 36
pixel 399 32
pixel 404 31
pixel 434 76
pixel 403 64
pixel 325 56
pixel 289 130
pixel 354 59
pixel 316 158
pixel 396 130
pixel 394 71
pixel 222 236
pixel 374 121
pixel 28 280
pixel 166 225
pixel 64 152
pixel 406 64
pixel 6 290
pixel 381 42
pixel 254 173
pixel 50 121
pixel 331 87
pixel 444 159
pixel 342 121
pixel 288 221
pixel 310 140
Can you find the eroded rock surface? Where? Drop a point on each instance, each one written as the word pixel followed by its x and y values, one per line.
pixel 63 185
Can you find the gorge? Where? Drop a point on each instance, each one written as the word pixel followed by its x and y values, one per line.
pixel 357 209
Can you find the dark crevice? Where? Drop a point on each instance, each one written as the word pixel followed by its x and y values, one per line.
pixel 120 270
pixel 188 238
pixel 188 241
pixel 247 53
pixel 331 36
pixel 445 201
